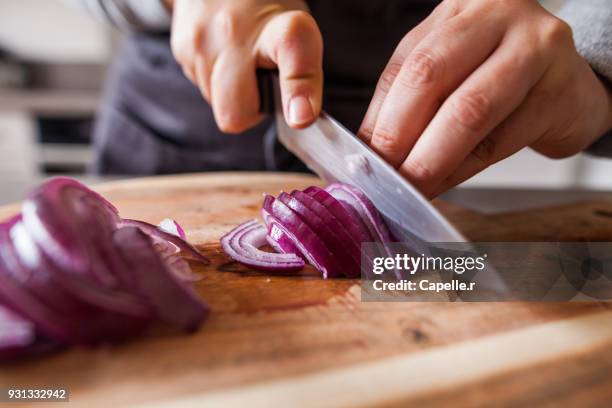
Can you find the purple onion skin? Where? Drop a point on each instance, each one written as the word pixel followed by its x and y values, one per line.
pixel 64 268
pixel 58 216
pixel 341 231
pixel 329 237
pixel 279 239
pixel 159 235
pixel 243 243
pixel 46 296
pixel 174 301
pixel 18 338
pixel 349 219
pixel 311 246
pixel 363 203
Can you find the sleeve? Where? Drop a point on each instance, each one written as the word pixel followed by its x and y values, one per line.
pixel 591 22
pixel 130 15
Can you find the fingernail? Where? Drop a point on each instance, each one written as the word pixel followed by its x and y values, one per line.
pixel 300 111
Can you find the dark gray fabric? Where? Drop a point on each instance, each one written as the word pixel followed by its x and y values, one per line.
pixel 154 120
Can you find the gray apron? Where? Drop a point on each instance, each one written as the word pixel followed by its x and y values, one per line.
pixel 154 121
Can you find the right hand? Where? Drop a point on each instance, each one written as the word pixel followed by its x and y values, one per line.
pixel 220 43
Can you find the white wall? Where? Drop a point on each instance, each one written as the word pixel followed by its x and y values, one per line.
pixel 529 169
pixel 52 30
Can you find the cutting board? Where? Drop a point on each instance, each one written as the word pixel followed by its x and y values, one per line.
pixel 277 340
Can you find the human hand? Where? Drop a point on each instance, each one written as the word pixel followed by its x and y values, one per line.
pixel 220 43
pixel 476 82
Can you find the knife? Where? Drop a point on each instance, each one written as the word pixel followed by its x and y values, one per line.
pixel 336 155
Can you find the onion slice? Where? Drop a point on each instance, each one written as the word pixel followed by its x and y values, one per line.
pixel 310 245
pixel 59 213
pixel 169 242
pixel 367 212
pixel 172 227
pixel 278 239
pixel 174 301
pixel 342 253
pixel 15 332
pixel 243 243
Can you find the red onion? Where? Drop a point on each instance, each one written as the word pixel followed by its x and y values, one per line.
pixel 356 199
pixel 16 333
pixel 77 274
pixel 172 227
pixel 326 227
pixel 242 244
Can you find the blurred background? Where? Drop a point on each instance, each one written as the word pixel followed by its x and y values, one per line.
pixel 53 60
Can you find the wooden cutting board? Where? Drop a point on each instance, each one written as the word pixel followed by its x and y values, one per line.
pixel 303 341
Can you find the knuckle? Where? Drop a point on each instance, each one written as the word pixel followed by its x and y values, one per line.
pixel 484 152
pixel 418 172
pixel 556 32
pixel 227 24
pixel 471 110
pixel 366 132
pixel 388 76
pixel 297 25
pixel 420 68
pixel 385 140
pixel 230 122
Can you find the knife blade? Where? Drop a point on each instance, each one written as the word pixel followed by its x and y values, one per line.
pixel 336 155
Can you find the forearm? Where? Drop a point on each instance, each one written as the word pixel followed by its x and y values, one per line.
pixel 130 15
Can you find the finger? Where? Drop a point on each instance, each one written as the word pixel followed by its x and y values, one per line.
pixel 431 72
pixel 233 91
pixel 389 74
pixel 202 77
pixel 440 14
pixel 483 101
pixel 523 127
pixel 292 42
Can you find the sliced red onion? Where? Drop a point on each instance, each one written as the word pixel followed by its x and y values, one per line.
pixel 169 242
pixel 58 213
pixel 355 199
pixel 338 231
pixel 174 301
pixel 16 293
pixel 364 207
pixel 349 219
pixel 172 227
pixel 278 239
pixel 326 228
pixel 304 238
pixel 76 279
pixel 15 332
pixel 243 243
pixel 180 268
pixel 92 312
pixel 343 253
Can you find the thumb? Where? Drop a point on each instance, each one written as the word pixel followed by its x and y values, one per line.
pixel 292 42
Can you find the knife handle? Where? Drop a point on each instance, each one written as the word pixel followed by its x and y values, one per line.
pixel 265 84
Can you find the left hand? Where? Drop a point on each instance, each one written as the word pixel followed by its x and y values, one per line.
pixel 476 82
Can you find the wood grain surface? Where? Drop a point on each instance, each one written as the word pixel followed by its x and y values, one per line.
pixel 303 341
